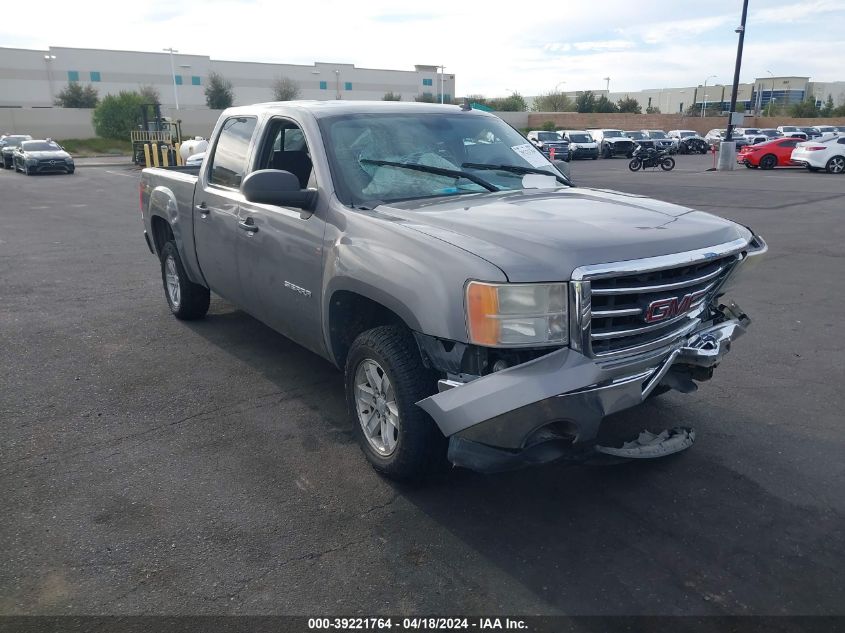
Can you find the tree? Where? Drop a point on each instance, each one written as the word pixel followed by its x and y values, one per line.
pixel 514 102
pixel 285 89
pixel 425 97
pixel 219 94
pixel 553 101
pixel 629 105
pixel 149 94
pixel 117 115
pixel 828 107
pixel 713 108
pixel 806 109
pixel 585 102
pixel 652 110
pixel 390 96
pixel 481 99
pixel 75 96
pixel 603 104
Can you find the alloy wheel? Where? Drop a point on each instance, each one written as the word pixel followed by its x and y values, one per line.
pixel 375 404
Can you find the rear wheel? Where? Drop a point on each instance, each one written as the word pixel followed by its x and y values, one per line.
pixel 667 164
pixel 385 378
pixel 836 165
pixel 187 300
pixel 769 161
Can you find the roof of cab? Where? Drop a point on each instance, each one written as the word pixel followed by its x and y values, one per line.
pixel 320 109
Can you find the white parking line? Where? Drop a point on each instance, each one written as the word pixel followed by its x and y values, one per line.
pixel 117 173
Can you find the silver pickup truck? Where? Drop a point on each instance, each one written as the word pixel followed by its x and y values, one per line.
pixel 486 313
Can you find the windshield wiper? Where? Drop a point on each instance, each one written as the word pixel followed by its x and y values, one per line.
pixel 429 169
pixel 516 169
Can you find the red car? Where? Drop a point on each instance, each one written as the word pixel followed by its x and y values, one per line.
pixel 768 155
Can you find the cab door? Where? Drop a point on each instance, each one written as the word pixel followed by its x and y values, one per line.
pixel 217 203
pixel 281 248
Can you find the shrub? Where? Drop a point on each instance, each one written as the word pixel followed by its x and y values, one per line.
pixel 219 94
pixel 75 96
pixel 117 115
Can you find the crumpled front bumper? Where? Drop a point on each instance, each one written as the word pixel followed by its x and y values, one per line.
pixel 552 407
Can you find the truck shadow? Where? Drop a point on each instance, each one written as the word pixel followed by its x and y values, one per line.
pixel 687 534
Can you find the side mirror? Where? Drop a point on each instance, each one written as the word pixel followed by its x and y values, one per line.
pixel 277 187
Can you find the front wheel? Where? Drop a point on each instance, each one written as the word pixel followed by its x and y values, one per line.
pixel 385 377
pixel 667 164
pixel 187 300
pixel 635 164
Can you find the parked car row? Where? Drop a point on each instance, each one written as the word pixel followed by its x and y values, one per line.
pixel 611 142
pixel 28 156
pixel 826 153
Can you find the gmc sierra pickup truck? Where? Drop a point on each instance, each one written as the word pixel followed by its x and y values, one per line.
pixel 486 313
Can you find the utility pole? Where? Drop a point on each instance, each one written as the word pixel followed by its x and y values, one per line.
pixel 173 74
pixel 727 149
pixel 607 86
pixel 442 79
pixel 704 103
pixel 741 30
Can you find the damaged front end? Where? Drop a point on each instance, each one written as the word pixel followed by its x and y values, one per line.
pixel 636 327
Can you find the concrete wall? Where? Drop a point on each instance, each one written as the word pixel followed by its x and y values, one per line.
pixel 62 123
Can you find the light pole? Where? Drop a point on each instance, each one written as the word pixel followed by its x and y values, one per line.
pixel 173 74
pixel 772 94
pixel 337 84
pixel 47 59
pixel 704 103
pixel 607 86
pixel 559 84
pixel 442 69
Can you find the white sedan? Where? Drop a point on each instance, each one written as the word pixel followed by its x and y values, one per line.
pixel 827 154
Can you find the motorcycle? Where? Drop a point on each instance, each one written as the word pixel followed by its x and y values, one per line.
pixel 645 157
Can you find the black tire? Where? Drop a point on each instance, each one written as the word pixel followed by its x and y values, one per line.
pixel 420 449
pixel 70 172
pixel 667 164
pixel 605 152
pixel 835 165
pixel 635 164
pixel 704 150
pixel 596 157
pixel 750 166
pixel 193 299
pixel 769 161
pixel 812 169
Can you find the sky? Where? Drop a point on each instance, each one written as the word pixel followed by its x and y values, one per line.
pixel 493 47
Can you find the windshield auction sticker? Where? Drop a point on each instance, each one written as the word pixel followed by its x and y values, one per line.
pixel 530 153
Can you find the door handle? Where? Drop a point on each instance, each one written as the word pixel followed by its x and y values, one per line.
pixel 248 226
pixel 202 208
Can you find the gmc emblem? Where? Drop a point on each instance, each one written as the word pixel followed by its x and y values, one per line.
pixel 663 309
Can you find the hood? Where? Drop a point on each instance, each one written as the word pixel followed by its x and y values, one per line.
pixel 536 235
pixel 55 154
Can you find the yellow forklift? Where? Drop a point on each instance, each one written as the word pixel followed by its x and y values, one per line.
pixel 160 135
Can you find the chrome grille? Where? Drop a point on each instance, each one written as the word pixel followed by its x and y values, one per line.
pixel 611 303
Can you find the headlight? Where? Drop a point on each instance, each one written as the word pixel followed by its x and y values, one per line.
pixel 31 161
pixel 69 160
pixel 517 315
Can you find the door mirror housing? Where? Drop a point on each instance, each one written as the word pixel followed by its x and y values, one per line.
pixel 277 187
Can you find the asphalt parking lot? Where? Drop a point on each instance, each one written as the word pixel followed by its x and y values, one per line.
pixel 155 466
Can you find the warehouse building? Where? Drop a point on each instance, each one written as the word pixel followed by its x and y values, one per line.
pixel 33 78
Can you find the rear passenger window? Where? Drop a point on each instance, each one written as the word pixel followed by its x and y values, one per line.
pixel 228 162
